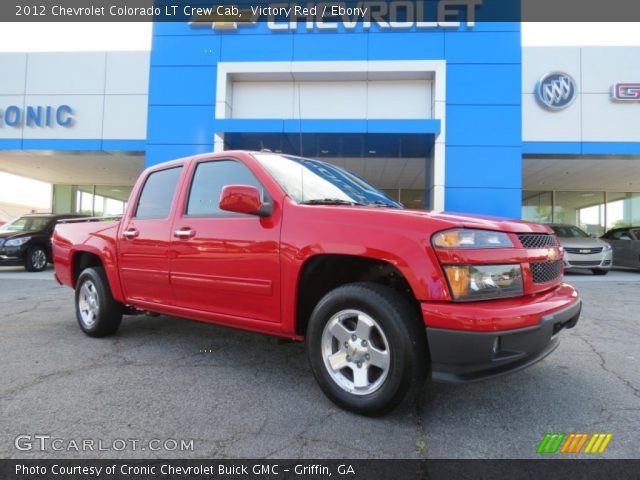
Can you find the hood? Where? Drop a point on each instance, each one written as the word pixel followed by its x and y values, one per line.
pixel 586 242
pixel 456 220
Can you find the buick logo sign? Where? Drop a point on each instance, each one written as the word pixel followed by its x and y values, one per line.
pixel 556 91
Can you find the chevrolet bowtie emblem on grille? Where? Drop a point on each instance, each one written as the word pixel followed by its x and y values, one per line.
pixel 552 255
pixel 556 91
pixel 224 22
pixel 585 251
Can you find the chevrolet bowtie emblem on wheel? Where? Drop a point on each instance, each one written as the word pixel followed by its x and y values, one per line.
pixel 556 91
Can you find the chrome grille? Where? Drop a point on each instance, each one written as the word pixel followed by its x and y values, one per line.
pixel 583 263
pixel 537 240
pixel 543 272
pixel 583 251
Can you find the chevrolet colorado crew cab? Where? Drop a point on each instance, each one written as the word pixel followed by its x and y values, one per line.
pixel 302 249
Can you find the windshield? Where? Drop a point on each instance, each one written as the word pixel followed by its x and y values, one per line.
pixel 569 231
pixel 314 182
pixel 26 224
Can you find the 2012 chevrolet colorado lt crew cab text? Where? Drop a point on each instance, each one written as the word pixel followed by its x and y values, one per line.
pixel 302 249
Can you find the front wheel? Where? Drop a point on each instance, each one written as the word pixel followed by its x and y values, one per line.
pixel 366 347
pixel 36 259
pixel 97 312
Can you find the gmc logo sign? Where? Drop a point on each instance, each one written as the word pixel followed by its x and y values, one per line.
pixel 626 92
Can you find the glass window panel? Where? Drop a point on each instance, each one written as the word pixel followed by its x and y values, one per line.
pixel 392 193
pixel 208 181
pixel 157 193
pixel 623 210
pixel 583 209
pixel 412 198
pixel 536 206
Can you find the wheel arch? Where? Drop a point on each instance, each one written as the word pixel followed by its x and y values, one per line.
pixel 86 258
pixel 322 273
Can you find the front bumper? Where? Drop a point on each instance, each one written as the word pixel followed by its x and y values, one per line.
pixel 601 261
pixel 462 356
pixel 11 256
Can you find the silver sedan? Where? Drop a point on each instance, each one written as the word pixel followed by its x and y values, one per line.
pixel 581 251
pixel 626 246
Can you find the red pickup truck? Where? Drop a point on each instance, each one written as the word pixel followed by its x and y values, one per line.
pixel 302 249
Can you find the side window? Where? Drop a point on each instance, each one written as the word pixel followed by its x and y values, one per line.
pixel 157 194
pixel 620 235
pixel 636 233
pixel 207 184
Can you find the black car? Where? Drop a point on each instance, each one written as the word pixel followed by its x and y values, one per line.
pixel 27 241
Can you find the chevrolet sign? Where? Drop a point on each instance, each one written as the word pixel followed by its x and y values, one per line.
pixel 329 15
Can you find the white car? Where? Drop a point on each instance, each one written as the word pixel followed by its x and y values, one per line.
pixel 582 251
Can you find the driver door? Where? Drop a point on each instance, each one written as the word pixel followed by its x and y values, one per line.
pixel 221 262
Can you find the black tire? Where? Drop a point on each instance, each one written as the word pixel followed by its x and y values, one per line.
pixel 405 336
pixel 92 284
pixel 36 259
pixel 599 271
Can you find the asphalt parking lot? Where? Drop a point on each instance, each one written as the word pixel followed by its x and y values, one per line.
pixel 238 394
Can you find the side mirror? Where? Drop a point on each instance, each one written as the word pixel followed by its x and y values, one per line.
pixel 244 199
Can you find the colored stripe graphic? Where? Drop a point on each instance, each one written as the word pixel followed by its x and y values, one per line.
pixel 573 443
pixel 551 442
pixel 598 443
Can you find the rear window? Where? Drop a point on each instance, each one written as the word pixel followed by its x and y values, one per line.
pixel 569 231
pixel 157 194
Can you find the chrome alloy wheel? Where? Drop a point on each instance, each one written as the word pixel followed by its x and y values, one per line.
pixel 356 352
pixel 88 304
pixel 39 259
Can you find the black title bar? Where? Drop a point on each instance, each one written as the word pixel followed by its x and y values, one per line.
pixel 400 12
pixel 317 469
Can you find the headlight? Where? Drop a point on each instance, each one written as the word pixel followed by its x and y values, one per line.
pixel 484 282
pixel 16 242
pixel 606 248
pixel 467 238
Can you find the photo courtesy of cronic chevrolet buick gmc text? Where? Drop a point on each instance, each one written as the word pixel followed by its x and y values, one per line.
pixel 302 249
pixel 26 241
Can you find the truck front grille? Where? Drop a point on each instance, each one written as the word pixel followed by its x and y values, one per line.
pixel 537 240
pixel 543 272
pixel 583 251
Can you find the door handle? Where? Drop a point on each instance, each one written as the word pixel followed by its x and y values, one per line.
pixel 184 233
pixel 131 233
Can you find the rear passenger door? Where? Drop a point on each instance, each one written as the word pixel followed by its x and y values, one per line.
pixel 222 262
pixel 145 237
pixel 620 241
pixel 635 248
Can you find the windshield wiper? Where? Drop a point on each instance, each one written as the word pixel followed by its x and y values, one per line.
pixel 379 203
pixel 330 201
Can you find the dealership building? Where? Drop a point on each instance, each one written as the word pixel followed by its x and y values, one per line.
pixel 452 119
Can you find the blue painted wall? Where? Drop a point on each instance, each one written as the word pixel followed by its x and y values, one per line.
pixel 483 127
